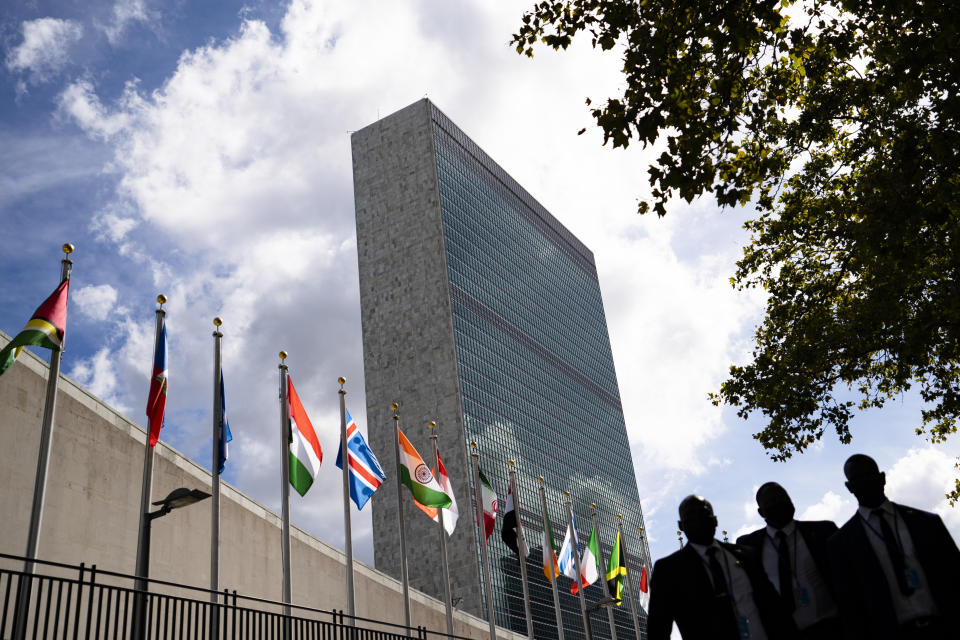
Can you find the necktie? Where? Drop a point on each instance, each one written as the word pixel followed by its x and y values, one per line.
pixel 719 580
pixel 785 574
pixel 894 552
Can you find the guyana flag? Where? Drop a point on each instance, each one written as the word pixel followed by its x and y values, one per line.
pixel 616 570
pixel 45 328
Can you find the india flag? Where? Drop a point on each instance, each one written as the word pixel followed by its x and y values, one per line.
pixel 305 451
pixel 415 474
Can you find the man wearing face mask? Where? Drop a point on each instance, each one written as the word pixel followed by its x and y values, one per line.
pixel 794 557
pixel 712 590
pixel 895 570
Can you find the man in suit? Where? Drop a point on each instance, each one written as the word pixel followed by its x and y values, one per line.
pixel 895 570
pixel 794 557
pixel 712 590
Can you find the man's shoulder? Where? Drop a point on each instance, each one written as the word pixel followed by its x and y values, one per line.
pixel 752 539
pixel 821 527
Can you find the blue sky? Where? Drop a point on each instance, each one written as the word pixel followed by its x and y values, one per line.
pixel 201 150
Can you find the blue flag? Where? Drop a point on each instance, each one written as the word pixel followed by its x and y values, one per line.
pixel 224 435
pixel 366 475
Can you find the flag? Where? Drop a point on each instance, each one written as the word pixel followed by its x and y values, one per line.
pixel 510 530
pixel 549 549
pixel 157 398
pixel 488 498
pixel 44 329
pixel 305 452
pixel 568 566
pixel 450 514
pixel 418 478
pixel 616 570
pixel 589 563
pixel 366 474
pixel 644 596
pixel 223 433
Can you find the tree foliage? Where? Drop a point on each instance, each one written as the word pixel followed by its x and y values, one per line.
pixel 839 122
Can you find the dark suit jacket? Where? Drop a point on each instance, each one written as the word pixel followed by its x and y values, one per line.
pixel 815 534
pixel 862 594
pixel 681 592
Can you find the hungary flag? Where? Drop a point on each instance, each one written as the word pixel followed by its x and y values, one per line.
pixel 589 571
pixel 616 569
pixel 45 329
pixel 305 451
pixel 415 474
pixel 489 499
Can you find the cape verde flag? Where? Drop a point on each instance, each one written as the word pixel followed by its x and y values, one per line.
pixel 366 475
pixel 157 398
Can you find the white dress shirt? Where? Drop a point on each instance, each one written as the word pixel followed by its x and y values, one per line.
pixel 740 588
pixel 919 603
pixel 818 604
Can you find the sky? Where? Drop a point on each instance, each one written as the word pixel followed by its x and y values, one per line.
pixel 202 150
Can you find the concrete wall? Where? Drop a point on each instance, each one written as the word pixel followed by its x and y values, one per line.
pixel 93 495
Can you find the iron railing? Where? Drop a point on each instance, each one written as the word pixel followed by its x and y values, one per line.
pixel 58 601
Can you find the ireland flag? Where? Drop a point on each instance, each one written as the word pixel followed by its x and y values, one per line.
pixel 415 474
pixel 305 451
pixel 44 329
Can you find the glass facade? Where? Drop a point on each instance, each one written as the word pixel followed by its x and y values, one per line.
pixel 536 376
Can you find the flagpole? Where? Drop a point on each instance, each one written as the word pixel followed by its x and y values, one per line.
pixel 626 566
pixel 522 546
pixel 553 575
pixel 575 541
pixel 347 529
pixel 215 478
pixel 46 431
pixel 146 487
pixel 404 577
pixel 285 480
pixel 447 597
pixel 485 560
pixel 603 572
pixel 43 465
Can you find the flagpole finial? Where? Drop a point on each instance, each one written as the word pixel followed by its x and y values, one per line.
pixel 510 463
pixel 593 506
pixel 67 248
pixel 473 445
pixel 283 355
pixel 566 494
pixel 217 321
pixel 640 530
pixel 432 425
pixel 162 299
pixel 341 381
pixel 540 479
pixel 395 406
pixel 619 516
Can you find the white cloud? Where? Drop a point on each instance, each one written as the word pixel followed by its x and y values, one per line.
pixel 95 301
pixel 832 506
pixel 45 47
pixel 921 479
pixel 98 375
pixel 125 13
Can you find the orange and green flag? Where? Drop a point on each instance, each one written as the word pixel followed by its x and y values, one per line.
pixel 45 329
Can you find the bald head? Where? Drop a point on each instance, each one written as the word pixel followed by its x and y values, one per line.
pixel 774 505
pixel 697 519
pixel 865 480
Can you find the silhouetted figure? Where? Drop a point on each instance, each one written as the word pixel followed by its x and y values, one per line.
pixel 712 590
pixel 794 557
pixel 895 570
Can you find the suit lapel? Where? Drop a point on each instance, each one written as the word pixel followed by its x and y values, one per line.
pixel 696 572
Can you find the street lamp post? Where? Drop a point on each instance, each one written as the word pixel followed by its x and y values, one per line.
pixel 603 603
pixel 177 498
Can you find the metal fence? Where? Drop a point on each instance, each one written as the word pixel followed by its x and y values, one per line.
pixel 77 602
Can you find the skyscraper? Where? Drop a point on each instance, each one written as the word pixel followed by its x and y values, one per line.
pixel 482 312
